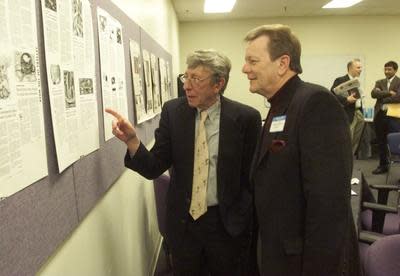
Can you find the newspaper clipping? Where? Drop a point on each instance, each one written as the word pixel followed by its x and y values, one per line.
pixel 70 62
pixel 22 138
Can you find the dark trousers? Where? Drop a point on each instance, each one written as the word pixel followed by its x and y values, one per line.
pixel 383 126
pixel 207 249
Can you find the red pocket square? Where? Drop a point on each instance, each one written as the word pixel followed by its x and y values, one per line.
pixel 277 145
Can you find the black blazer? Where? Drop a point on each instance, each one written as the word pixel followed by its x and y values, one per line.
pixel 174 147
pixel 349 108
pixel 302 187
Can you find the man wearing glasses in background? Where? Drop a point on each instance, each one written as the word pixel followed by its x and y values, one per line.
pixel 208 141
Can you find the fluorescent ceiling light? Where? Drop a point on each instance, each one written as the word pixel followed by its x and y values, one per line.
pixel 337 4
pixel 218 6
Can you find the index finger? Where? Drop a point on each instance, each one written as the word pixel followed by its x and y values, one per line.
pixel 114 113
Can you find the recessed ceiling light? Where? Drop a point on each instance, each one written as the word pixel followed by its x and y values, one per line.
pixel 218 6
pixel 338 4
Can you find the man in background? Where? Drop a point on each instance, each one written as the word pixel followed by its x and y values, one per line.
pixel 207 141
pixel 352 103
pixel 386 91
pixel 302 166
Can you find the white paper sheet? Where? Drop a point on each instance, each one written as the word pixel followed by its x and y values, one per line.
pixel 112 67
pixel 22 139
pixel 70 62
pixel 138 93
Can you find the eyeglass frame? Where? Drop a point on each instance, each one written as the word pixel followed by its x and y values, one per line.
pixel 193 80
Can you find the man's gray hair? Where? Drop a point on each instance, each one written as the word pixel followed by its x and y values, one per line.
pixel 218 63
pixel 351 62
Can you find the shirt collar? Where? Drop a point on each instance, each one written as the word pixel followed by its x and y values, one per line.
pixel 284 95
pixel 213 110
pixel 390 80
pixel 351 77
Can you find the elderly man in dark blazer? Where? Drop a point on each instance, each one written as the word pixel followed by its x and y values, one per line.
pixel 302 167
pixel 352 103
pixel 207 223
pixel 386 91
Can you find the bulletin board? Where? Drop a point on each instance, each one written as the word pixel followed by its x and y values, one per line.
pixel 36 220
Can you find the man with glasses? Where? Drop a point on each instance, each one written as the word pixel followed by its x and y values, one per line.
pixel 207 141
pixel 302 167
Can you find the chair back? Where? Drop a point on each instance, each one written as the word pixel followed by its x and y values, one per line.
pixel 393 145
pixel 393 140
pixel 161 186
pixel 383 258
pixel 365 195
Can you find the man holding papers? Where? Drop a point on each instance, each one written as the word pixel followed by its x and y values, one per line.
pixel 386 92
pixel 351 102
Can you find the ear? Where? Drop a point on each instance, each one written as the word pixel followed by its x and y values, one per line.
pixel 218 86
pixel 283 65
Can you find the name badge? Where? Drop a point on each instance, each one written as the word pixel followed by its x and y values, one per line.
pixel 278 123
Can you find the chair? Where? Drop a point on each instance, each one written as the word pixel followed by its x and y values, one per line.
pixel 375 220
pixel 383 258
pixel 377 216
pixel 161 186
pixel 393 143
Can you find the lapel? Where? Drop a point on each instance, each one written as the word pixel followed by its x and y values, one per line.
pixel 394 83
pixel 257 152
pixel 186 124
pixel 228 133
pixel 286 94
pixel 270 136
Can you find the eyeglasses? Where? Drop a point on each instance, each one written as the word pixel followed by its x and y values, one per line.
pixel 192 80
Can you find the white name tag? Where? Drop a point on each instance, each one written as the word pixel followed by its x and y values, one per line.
pixel 278 123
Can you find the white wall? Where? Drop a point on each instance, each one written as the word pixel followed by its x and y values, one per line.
pixel 373 37
pixel 120 235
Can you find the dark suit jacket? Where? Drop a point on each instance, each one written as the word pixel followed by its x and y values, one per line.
pixel 302 187
pixel 174 147
pixel 383 96
pixel 349 108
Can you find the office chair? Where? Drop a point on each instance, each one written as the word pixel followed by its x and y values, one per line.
pixel 382 257
pixel 375 220
pixel 375 215
pixel 393 143
pixel 161 186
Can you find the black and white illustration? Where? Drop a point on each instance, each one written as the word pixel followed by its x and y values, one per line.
pixel 55 74
pixel 149 89
pixel 77 25
pixel 103 23
pixel 69 89
pixel 51 4
pixel 119 36
pixel 25 69
pixel 4 80
pixel 85 86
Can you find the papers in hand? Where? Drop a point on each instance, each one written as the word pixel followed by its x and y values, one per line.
pixel 353 193
pixel 393 110
pixel 343 88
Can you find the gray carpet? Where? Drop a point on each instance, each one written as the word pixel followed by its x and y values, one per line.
pixel 365 166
